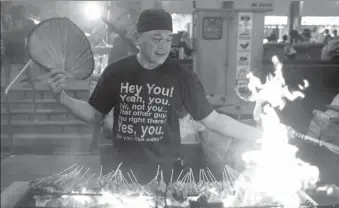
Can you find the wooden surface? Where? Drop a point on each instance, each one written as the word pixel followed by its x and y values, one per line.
pixel 11 196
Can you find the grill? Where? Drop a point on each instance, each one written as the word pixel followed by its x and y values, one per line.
pixel 19 195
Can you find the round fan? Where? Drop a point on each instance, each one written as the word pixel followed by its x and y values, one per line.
pixel 58 43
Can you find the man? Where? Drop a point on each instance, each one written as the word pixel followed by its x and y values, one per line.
pixel 327 37
pixel 335 34
pixel 145 91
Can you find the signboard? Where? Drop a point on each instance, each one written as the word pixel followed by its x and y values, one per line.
pixel 258 5
pixel 244 45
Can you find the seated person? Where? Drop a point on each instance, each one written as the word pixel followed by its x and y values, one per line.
pixel 330 52
pixel 325 127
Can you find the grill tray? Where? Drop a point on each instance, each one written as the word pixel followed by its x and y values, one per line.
pixel 19 195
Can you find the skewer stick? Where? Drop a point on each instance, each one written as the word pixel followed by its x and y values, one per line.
pixel 179 175
pixel 134 176
pixel 17 76
pixel 192 175
pixel 77 173
pixel 172 176
pixel 90 178
pixel 185 178
pixel 130 178
pixel 234 172
pixel 70 167
pixel 226 175
pixel 199 175
pixel 123 178
pixel 100 172
pixel 307 197
pixel 158 171
pixel 204 174
pixel 211 174
pixel 71 174
pixel 84 174
pixel 109 174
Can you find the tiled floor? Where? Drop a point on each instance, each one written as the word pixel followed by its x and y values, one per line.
pixel 29 167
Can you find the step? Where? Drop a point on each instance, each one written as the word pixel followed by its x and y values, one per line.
pixel 39 114
pixel 27 93
pixel 48 126
pixel 47 143
pixel 28 104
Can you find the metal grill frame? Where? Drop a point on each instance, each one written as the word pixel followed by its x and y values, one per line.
pixel 19 193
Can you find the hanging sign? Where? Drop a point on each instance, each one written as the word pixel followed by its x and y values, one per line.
pixel 244 41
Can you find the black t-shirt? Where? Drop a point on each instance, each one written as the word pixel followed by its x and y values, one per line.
pixel 145 106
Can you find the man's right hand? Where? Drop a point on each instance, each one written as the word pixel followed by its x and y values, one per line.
pixel 57 83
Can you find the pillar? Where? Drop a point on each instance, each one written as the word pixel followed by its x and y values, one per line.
pixel 294 17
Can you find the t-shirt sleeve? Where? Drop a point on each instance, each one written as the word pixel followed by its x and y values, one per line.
pixel 193 96
pixel 105 94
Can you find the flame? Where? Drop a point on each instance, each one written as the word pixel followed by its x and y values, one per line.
pixel 273 171
pixel 274 175
pixel 109 199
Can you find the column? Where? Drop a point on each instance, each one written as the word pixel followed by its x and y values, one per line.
pixel 294 17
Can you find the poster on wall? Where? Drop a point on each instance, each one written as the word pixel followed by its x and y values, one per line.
pixel 244 41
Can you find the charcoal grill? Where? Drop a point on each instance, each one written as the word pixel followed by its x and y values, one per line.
pixel 19 195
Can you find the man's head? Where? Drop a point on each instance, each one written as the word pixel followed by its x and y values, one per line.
pixel 154 35
pixel 335 32
pixel 326 32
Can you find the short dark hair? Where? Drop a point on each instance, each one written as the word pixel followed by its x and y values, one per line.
pixel 285 37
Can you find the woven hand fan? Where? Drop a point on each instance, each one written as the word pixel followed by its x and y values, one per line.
pixel 58 43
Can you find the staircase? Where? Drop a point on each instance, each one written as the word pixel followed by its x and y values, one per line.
pixel 46 128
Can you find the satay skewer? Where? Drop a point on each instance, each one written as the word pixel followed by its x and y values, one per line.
pixel 116 171
pixel 211 174
pixel 200 175
pixel 67 169
pixel 171 176
pixel 180 175
pixel 108 175
pixel 184 178
pixel 123 178
pixel 100 176
pixel 206 178
pixel 89 178
pixel 134 176
pixel 226 174
pixel 192 176
pixel 84 174
pixel 232 172
pixel 130 178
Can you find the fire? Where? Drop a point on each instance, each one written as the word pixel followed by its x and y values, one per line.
pixel 273 171
pixel 274 175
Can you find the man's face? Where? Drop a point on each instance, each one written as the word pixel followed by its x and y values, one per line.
pixel 155 45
